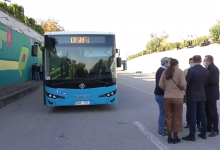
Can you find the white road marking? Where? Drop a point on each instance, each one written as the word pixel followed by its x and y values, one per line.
pixel 153 139
pixel 139 77
pixel 141 80
pixel 126 74
pixel 149 79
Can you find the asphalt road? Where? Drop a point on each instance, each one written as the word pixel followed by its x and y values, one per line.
pixel 131 124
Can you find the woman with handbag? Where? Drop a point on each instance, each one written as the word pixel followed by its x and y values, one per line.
pixel 173 83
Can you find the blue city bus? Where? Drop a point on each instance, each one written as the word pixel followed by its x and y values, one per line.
pixel 79 68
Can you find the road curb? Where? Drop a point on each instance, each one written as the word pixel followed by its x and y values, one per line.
pixel 4 101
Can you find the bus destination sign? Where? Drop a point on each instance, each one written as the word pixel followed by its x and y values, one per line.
pixel 79 40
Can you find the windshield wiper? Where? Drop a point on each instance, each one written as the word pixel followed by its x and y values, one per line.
pixel 96 80
pixel 86 79
pixel 59 83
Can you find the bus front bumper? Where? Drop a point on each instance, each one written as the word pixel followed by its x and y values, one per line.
pixel 99 101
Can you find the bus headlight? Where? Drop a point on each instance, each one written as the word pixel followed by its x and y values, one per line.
pixel 108 94
pixel 54 96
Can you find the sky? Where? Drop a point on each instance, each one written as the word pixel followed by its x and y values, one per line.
pixel 131 20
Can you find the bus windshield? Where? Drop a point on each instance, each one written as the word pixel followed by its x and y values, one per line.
pixel 69 59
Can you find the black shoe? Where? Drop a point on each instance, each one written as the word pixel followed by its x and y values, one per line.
pixel 175 141
pixel 189 138
pixel 186 126
pixel 202 136
pixel 213 134
pixel 170 140
pixel 163 134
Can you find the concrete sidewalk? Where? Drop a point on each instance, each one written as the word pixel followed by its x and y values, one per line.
pixel 11 93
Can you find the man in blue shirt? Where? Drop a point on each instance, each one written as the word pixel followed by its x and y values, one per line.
pixel 159 94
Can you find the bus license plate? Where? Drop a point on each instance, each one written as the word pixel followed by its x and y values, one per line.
pixel 82 103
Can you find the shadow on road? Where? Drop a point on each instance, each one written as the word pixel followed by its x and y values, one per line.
pixel 83 109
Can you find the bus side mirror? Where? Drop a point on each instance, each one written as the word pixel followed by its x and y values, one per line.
pixel 117 50
pixel 118 62
pixel 34 50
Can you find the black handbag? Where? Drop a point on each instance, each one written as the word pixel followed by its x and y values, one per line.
pixel 184 95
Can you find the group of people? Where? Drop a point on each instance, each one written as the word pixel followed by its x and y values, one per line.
pixel 37 72
pixel 198 87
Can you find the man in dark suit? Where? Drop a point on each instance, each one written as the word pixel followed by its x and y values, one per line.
pixel 196 79
pixel 197 114
pixel 212 95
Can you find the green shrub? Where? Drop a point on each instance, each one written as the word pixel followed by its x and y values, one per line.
pixel 18 12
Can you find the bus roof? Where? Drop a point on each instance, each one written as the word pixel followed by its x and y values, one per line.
pixel 79 32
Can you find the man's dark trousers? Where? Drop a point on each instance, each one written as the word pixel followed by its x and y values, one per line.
pixel 212 115
pixel 191 109
pixel 198 121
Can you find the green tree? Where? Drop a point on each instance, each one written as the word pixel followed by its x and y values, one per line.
pixel 159 44
pixel 156 42
pixel 4 6
pixel 17 11
pixel 215 32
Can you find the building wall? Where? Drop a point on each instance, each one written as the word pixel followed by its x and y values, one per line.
pixel 15 51
pixel 150 63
